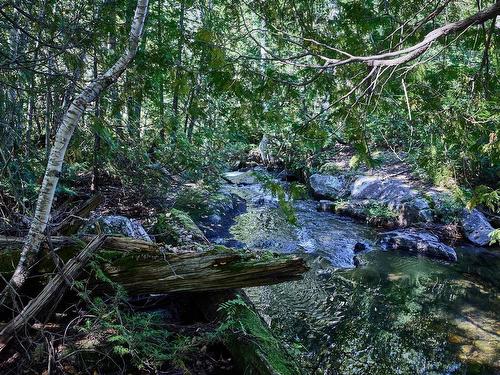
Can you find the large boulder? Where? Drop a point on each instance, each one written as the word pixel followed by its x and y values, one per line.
pixel 476 227
pixel 117 225
pixel 240 178
pixel 331 187
pixel 377 188
pixel 406 202
pixel 422 243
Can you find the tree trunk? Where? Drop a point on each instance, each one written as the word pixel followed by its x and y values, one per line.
pixel 94 186
pixel 256 350
pixel 54 166
pixel 175 100
pixel 51 295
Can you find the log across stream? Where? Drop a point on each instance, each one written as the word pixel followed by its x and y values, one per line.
pixel 143 267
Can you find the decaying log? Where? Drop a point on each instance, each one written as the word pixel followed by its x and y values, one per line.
pixel 251 341
pixel 76 217
pixel 142 267
pixel 216 269
pixel 50 296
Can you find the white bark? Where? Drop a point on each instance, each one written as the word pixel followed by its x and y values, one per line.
pixel 58 151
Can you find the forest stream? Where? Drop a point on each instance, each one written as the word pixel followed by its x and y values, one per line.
pixel 394 314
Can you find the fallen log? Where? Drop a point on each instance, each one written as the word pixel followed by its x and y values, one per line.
pixel 142 267
pixel 50 296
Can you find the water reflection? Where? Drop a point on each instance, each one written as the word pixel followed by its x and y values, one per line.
pixel 399 314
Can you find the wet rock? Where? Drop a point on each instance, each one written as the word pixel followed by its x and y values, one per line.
pixel 360 246
pixel 118 225
pixel 325 206
pixel 223 208
pixel 476 227
pixel 358 261
pixel 418 243
pixel 214 219
pixel 326 186
pixel 240 178
pixel 406 202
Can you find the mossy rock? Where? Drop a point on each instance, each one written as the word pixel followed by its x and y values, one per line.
pixel 330 168
pixel 176 227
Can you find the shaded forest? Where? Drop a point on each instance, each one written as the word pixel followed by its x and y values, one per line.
pixel 123 122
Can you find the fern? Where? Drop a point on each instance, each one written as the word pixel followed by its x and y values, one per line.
pixel 486 196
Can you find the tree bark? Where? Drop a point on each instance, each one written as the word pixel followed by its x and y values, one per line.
pixel 54 166
pixel 142 267
pixel 175 99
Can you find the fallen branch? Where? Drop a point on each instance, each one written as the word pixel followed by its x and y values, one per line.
pixel 118 243
pixel 51 295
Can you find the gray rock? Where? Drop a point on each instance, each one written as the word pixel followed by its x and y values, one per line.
pixel 376 188
pixel 118 225
pixel 325 206
pixel 417 243
pixel 327 186
pixel 358 261
pixel 476 227
pixel 240 178
pixel 397 196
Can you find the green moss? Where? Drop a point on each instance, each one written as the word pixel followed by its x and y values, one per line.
pixel 251 341
pixel 219 249
pixel 264 225
pixel 330 168
pixel 177 228
pixel 378 211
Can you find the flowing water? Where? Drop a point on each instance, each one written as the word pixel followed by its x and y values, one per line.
pixel 397 314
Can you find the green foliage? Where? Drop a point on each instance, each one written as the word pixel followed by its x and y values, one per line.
pixel 139 337
pixel 495 237
pixel 447 208
pixel 485 196
pixel 378 211
pixel 285 195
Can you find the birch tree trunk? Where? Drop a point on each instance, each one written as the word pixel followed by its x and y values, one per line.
pixel 64 133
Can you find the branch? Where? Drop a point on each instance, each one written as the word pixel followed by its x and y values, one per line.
pixel 407 54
